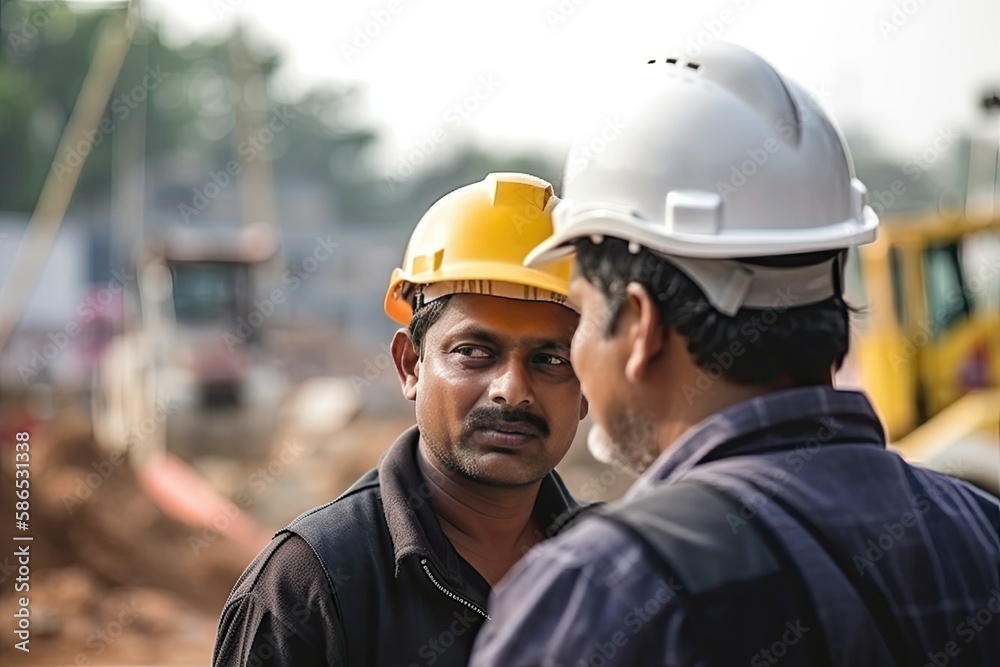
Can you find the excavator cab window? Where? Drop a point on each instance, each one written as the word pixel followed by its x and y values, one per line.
pixel 207 292
pixel 949 300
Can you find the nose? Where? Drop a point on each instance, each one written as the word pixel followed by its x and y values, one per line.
pixel 512 385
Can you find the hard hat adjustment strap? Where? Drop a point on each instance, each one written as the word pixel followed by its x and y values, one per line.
pixel 731 285
pixel 418 298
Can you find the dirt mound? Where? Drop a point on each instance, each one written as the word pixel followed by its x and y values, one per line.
pixel 103 556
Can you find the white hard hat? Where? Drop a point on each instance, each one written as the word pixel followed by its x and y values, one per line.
pixel 719 158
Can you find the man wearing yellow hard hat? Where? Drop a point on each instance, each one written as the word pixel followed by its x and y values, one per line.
pixel 397 571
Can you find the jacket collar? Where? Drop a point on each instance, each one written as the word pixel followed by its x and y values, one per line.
pixel 413 525
pixel 805 416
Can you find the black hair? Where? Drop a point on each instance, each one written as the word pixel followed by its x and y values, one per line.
pixel 800 344
pixel 424 318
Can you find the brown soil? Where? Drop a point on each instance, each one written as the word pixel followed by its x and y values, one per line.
pixel 104 559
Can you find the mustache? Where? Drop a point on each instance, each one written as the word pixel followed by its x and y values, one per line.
pixel 488 417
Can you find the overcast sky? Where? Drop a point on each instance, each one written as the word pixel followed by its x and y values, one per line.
pixel 904 69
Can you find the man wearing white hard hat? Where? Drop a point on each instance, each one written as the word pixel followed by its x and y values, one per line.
pixel 769 522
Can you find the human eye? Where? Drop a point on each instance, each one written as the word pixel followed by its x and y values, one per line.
pixel 551 360
pixel 472 351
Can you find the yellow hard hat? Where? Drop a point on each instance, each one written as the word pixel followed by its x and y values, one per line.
pixel 475 239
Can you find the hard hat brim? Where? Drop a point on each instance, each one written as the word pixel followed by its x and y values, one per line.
pixel 599 221
pixel 398 308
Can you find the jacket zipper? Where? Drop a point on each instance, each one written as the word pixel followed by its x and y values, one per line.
pixel 453 596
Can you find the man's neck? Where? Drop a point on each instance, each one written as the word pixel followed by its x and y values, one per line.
pixel 490 527
pixel 673 423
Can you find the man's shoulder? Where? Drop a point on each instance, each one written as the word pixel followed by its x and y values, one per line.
pixel 284 570
pixel 936 478
pixel 295 583
pixel 351 519
pixel 937 485
pixel 293 556
pixel 282 594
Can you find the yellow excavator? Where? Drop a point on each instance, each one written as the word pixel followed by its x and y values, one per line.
pixel 928 339
pixel 927 347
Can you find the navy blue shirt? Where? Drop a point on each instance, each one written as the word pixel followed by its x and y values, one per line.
pixel 928 542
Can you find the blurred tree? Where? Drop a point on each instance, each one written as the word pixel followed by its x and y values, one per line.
pixel 189 103
pixel 325 147
pixel 42 60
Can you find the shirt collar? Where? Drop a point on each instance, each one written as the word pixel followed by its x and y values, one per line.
pixel 778 420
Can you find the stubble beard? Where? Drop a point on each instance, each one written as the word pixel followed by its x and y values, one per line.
pixel 464 460
pixel 631 444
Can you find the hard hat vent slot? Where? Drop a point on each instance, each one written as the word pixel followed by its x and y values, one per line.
pixel 671 61
pixel 650 62
pixel 693 66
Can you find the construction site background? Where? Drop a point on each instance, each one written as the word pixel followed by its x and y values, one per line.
pixel 193 269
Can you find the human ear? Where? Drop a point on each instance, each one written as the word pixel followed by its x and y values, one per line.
pixel 644 330
pixel 407 361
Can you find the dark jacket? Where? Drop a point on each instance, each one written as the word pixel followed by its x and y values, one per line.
pixel 368 579
pixel 867 559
